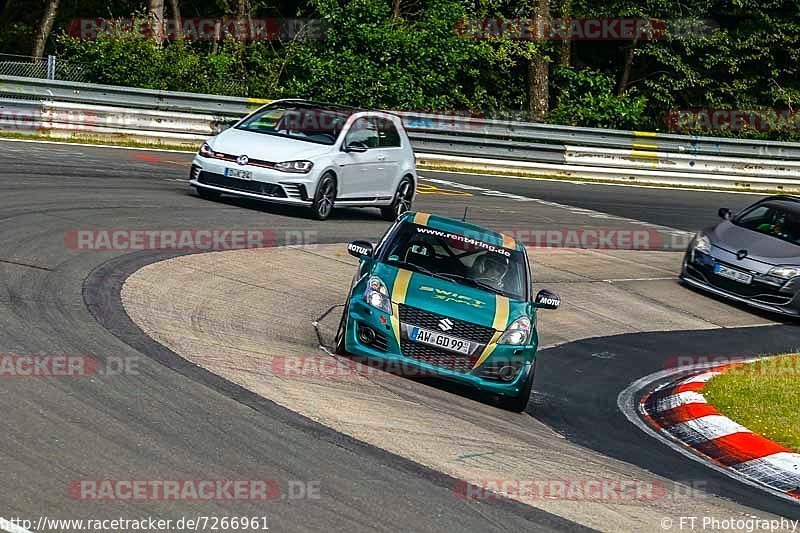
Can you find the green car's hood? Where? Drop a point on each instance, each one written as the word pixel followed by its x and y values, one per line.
pixel 451 299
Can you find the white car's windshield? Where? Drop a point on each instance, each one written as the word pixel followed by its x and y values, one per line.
pixel 462 258
pixel 299 120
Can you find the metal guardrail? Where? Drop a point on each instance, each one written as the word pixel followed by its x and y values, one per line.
pixel 71 109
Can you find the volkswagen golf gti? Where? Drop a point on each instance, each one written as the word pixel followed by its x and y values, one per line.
pixel 313 155
pixel 447 298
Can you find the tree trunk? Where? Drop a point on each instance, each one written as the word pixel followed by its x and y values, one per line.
pixel 626 69
pixel 396 9
pixel 244 16
pixel 565 54
pixel 217 37
pixel 539 72
pixel 45 27
pixel 156 9
pixel 176 13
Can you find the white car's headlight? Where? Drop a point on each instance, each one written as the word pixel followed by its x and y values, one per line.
pixel 377 295
pixel 206 151
pixel 298 167
pixel 518 333
pixel 785 272
pixel 702 244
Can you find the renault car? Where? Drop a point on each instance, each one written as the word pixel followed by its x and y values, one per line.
pixel 751 257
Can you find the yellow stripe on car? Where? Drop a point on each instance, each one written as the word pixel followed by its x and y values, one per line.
pixel 501 309
pixel 421 219
pixel 399 292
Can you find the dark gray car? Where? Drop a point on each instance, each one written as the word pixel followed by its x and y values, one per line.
pixel 751 257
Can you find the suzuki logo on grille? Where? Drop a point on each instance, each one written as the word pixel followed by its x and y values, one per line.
pixel 243 160
pixel 445 324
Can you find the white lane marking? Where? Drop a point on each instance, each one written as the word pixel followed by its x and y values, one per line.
pixel 89 145
pixel 629 406
pixel 639 279
pixel 590 182
pixel 5 525
pixel 572 209
pixel 175 179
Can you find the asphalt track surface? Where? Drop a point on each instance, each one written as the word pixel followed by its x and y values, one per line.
pixel 167 422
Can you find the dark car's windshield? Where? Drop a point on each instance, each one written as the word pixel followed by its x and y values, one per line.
pixel 461 258
pixel 299 120
pixel 773 219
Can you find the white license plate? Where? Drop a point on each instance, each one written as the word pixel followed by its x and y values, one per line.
pixel 432 338
pixel 239 173
pixel 735 275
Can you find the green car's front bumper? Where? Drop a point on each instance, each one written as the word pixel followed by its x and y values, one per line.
pixel 391 359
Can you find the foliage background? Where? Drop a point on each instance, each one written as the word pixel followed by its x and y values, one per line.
pixel 406 54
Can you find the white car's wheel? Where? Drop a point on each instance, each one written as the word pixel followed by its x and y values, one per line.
pixel 325 197
pixel 402 200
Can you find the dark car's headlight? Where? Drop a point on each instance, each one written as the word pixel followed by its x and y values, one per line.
pixel 518 333
pixel 785 272
pixel 377 295
pixel 297 167
pixel 701 244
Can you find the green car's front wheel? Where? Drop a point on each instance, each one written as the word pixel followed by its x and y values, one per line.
pixel 519 403
pixel 339 346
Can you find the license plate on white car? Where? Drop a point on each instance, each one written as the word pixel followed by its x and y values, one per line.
pixel 433 338
pixel 239 173
pixel 735 275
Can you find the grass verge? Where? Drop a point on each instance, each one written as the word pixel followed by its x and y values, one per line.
pixel 763 396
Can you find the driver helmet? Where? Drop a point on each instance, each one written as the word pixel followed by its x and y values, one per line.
pixel 492 267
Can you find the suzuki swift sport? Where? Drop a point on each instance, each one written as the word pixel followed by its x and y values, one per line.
pixel 447 298
pixel 313 155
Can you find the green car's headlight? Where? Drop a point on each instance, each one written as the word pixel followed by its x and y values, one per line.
pixel 518 333
pixel 377 295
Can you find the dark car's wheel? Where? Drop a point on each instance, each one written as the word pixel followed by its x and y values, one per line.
pixel 324 198
pixel 340 348
pixel 402 200
pixel 207 194
pixel 519 403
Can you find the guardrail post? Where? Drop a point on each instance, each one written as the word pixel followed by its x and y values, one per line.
pixel 51 67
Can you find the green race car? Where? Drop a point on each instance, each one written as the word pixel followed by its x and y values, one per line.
pixel 438 296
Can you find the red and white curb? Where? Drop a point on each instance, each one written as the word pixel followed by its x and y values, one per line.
pixel 678 413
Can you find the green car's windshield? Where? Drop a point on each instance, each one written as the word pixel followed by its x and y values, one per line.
pixel 460 258
pixel 299 120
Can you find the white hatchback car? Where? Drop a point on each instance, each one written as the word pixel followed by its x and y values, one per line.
pixel 314 155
